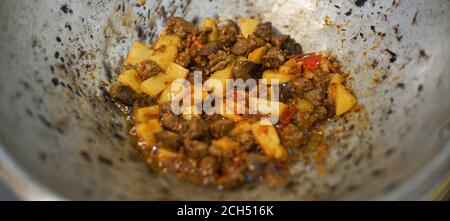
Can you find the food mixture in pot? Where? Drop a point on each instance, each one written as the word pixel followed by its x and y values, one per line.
pixel 227 150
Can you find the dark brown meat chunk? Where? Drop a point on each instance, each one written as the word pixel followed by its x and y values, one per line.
pixel 227 33
pixel 304 120
pixel 243 47
pixel 195 148
pixel 210 48
pixel 143 100
pixel 148 69
pixel 209 165
pixel 274 58
pixel 183 59
pixel 256 165
pixel 179 27
pixel 196 128
pixel 221 128
pixel 264 31
pixel 123 93
pixel 246 69
pixel 299 85
pixel 169 120
pixel 285 94
pixel 291 136
pixel 247 141
pixel 316 96
pixel 218 61
pixel 240 48
pixel 169 140
pixel 287 45
pixel 322 112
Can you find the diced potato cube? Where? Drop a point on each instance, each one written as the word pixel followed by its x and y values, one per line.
pixel 336 78
pixel 176 71
pixel 241 127
pixel 164 55
pixel 210 23
pixel 131 79
pixel 271 75
pixel 345 101
pixel 247 26
pixel 174 90
pixel 167 156
pixel 257 54
pixel 145 131
pixel 145 114
pixel 268 139
pixel 223 75
pixel 268 107
pixel 166 39
pixel 190 112
pixel 226 144
pixel 156 84
pixel 229 112
pixel 324 65
pixel 139 53
pixel 304 106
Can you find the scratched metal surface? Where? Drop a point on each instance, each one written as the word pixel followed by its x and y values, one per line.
pixel 62 138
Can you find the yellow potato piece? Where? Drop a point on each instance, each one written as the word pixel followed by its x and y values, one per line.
pixel 271 75
pixel 131 79
pixel 145 114
pixel 226 144
pixel 268 107
pixel 210 23
pixel 145 131
pixel 247 26
pixel 336 78
pixel 189 112
pixel 166 39
pixel 223 75
pixel 304 106
pixel 138 53
pixel 344 100
pixel 257 54
pixel 156 84
pixel 164 55
pixel 268 139
pixel 241 127
pixel 171 92
pixel 176 71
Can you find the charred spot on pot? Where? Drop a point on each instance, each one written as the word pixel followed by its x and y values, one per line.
pixel 401 85
pixel 42 156
pixel 108 70
pixel 58 39
pixel 372 28
pixel 66 9
pixel 86 156
pixel 360 3
pixel 46 122
pixel 393 56
pixel 348 13
pixel 420 88
pixel 423 54
pixel 118 136
pixel 414 19
pixel 57 54
pixel 29 112
pixel 68 26
pixel 105 160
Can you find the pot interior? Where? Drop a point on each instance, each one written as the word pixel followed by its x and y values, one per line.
pixel 60 127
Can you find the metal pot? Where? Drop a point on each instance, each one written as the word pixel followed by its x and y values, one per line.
pixel 62 138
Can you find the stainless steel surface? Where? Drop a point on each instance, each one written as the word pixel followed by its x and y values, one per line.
pixel 61 138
